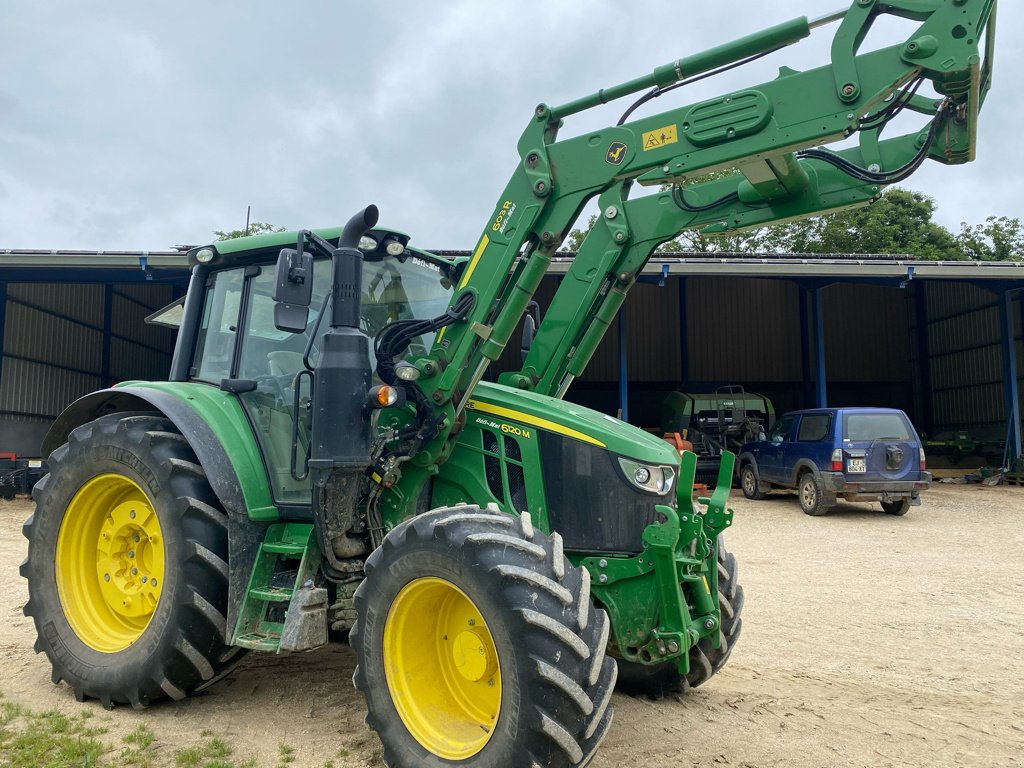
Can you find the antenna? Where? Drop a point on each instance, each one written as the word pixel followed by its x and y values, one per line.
pixel 248 210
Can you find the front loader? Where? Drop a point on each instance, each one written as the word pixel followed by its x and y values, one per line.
pixel 326 457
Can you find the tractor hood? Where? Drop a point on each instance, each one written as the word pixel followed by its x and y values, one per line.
pixel 574 421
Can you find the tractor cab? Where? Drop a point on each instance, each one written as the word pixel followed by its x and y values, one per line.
pixel 229 338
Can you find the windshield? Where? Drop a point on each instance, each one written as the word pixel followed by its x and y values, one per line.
pixel 392 290
pixel 877 426
pixel 413 289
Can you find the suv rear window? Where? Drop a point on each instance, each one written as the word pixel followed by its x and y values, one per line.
pixel 877 426
pixel 813 428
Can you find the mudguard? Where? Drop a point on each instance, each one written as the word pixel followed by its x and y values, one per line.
pixel 244 535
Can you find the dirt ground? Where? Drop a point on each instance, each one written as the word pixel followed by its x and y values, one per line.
pixel 867 640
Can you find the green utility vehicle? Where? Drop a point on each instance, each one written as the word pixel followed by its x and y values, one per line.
pixel 325 456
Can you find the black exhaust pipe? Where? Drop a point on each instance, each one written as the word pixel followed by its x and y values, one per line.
pixel 341 421
pixel 356 227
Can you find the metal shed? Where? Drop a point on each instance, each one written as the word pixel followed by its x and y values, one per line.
pixel 72 322
pixel 941 340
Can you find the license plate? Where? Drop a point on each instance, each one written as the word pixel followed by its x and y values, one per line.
pixel 856 465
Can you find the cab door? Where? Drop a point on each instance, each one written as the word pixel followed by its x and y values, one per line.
pixel 769 461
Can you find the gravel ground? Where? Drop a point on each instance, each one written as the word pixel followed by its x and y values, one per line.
pixel 868 640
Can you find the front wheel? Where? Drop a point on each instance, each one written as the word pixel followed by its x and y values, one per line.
pixel 477 645
pixel 127 564
pixel 705 659
pixel 749 483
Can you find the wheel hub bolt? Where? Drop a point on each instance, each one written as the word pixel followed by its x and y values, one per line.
pixel 472 622
pixel 132 514
pixel 106 577
pixel 143 579
pixel 153 582
pixel 131 553
pixel 136 537
pixel 134 571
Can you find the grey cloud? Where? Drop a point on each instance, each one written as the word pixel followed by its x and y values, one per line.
pixel 135 125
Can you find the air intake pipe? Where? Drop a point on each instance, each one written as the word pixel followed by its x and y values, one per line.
pixel 341 419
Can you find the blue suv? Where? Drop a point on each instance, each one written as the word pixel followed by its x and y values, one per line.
pixel 858 454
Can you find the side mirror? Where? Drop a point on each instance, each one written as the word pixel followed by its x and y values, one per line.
pixel 293 290
pixel 529 331
pixel 530 320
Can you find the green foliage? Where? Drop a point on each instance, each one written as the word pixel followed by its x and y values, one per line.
pixel 900 222
pixel 998 239
pixel 255 228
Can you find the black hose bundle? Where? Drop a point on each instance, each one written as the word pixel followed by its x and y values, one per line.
pixel 394 340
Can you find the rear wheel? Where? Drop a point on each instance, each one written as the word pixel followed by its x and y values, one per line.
pixel 705 659
pixel 898 508
pixel 127 564
pixel 478 645
pixel 749 483
pixel 808 490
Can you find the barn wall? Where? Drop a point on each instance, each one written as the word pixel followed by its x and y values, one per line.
pixel 59 344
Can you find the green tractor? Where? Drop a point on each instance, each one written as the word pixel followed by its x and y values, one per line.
pixel 326 458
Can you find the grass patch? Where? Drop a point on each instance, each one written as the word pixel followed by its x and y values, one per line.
pixel 285 755
pixel 50 739
pixel 54 740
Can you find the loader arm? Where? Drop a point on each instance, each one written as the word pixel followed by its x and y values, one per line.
pixel 768 135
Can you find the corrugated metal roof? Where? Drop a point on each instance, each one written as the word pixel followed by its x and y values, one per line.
pixel 738 264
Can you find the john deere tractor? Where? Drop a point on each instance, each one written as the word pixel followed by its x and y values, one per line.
pixel 326 456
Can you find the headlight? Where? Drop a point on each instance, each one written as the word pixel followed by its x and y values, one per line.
pixel 204 255
pixel 656 479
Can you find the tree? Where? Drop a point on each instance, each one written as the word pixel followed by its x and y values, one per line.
pixel 1000 238
pixel 256 228
pixel 900 222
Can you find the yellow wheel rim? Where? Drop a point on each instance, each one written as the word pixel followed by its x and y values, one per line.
pixel 442 668
pixel 109 563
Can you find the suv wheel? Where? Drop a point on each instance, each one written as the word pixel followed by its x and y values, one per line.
pixel 748 481
pixel 808 490
pixel 898 508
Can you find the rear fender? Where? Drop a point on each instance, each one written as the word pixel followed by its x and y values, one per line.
pixel 748 458
pixel 244 534
pixel 803 465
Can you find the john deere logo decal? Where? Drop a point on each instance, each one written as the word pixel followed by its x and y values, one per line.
pixel 616 153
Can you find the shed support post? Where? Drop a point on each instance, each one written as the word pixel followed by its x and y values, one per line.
pixel 623 367
pixel 3 318
pixel 924 362
pixel 684 335
pixel 108 314
pixel 1010 390
pixel 805 348
pixel 821 398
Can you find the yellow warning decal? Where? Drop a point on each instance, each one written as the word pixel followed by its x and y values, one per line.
pixel 660 137
pixel 706 585
pixel 484 241
pixel 536 421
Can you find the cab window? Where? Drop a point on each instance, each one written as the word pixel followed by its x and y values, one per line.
pixel 813 428
pixel 780 432
pixel 215 345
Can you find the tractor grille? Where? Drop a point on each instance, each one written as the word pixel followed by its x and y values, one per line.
pixel 503 468
pixel 590 502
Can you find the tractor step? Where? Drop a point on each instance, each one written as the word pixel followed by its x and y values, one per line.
pixel 283 610
pixel 272 594
pixel 257 641
pixel 285 549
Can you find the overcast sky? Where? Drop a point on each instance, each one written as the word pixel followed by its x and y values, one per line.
pixel 143 125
